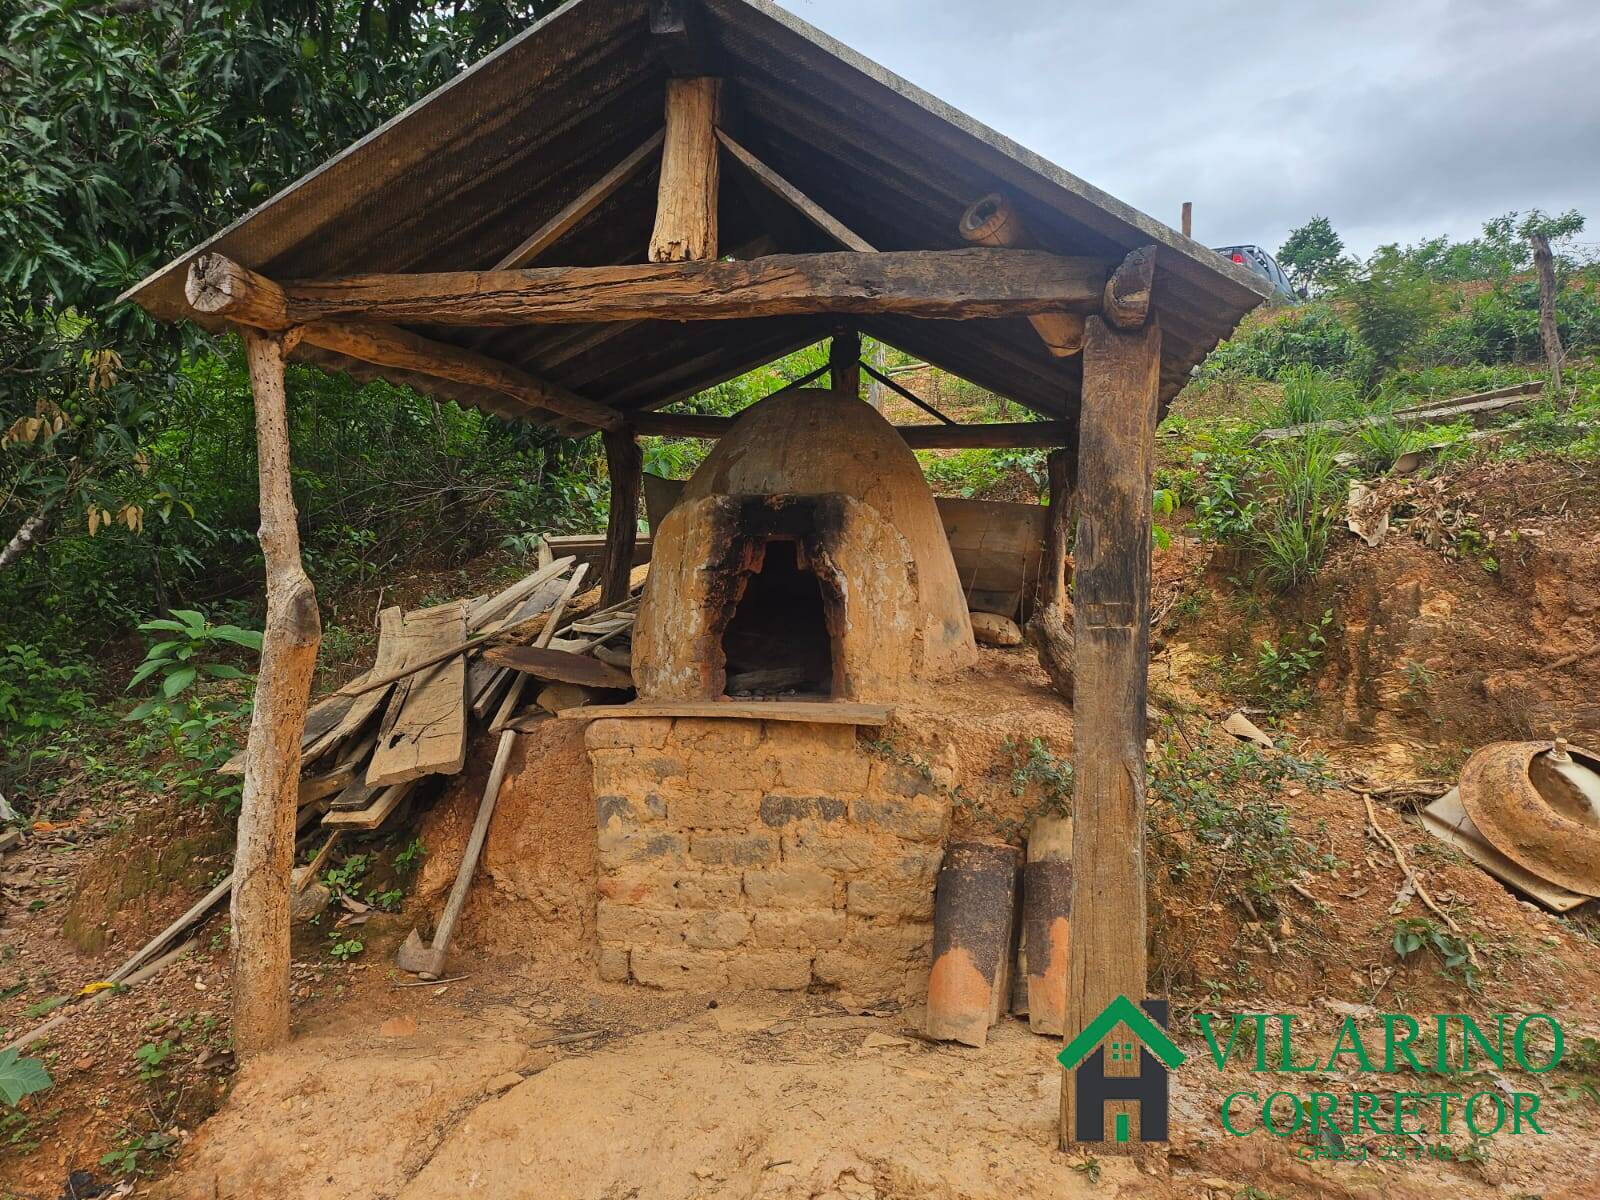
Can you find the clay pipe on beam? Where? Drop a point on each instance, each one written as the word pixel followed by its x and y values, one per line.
pixel 993 221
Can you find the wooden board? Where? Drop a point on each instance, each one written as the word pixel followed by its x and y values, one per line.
pixel 424 729
pixel 375 814
pixel 1448 821
pixel 485 614
pixel 590 548
pixel 998 549
pixel 813 712
pixel 660 497
pixel 388 659
pixel 485 681
pixel 323 717
pixel 1477 409
pixel 560 666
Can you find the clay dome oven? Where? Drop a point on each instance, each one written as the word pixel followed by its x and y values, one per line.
pixel 806 555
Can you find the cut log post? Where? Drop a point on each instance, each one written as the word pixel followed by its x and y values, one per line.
pixel 1188 218
pixel 1049 631
pixel 1127 300
pixel 844 362
pixel 264 859
pixel 1544 262
pixel 1111 605
pixel 686 203
pixel 625 465
pixel 994 221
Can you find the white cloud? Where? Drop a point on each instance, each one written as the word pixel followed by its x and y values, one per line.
pixel 1398 121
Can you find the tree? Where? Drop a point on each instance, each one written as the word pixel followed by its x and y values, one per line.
pixel 129 132
pixel 1314 255
pixel 1392 304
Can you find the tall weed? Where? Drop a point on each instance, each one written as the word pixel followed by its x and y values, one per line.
pixel 1302 485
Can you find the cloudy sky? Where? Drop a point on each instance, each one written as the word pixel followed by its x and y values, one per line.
pixel 1397 119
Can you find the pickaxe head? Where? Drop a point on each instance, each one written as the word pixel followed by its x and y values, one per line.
pixel 419 958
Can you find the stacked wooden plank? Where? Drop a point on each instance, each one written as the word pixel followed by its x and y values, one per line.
pixel 435 673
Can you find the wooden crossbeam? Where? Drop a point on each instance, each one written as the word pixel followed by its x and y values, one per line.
pixel 998 436
pixel 221 287
pixel 940 284
pixel 798 200
pixel 557 227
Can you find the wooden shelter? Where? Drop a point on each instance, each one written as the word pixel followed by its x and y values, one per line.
pixel 635 200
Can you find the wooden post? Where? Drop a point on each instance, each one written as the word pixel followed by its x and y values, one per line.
pixel 625 465
pixel 1111 603
pixel 1188 218
pixel 264 858
pixel 1048 630
pixel 686 205
pixel 874 387
pixel 844 362
pixel 1545 262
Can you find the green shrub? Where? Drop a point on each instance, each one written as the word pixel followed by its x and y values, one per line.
pixel 1302 488
pixel 1391 305
pixel 1309 396
pixel 973 472
pixel 1311 337
pixel 36 694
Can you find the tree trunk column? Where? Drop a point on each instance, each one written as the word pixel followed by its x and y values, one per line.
pixel 625 465
pixel 265 854
pixel 1111 607
pixel 1545 263
pixel 686 202
pixel 844 362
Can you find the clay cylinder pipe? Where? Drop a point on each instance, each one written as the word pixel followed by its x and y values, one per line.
pixel 973 930
pixel 994 221
pixel 1046 904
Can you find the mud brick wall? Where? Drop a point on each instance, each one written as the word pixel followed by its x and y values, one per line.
pixel 748 854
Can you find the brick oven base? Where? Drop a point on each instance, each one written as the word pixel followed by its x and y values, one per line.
pixel 751 854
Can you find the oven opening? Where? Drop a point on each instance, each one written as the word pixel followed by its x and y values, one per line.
pixel 777 643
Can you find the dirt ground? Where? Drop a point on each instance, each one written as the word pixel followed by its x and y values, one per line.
pixel 529 1077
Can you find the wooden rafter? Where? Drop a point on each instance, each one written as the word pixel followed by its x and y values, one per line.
pixel 581 206
pixel 798 200
pixel 939 284
pixel 904 392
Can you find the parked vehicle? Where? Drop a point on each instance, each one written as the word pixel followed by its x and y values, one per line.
pixel 1264 265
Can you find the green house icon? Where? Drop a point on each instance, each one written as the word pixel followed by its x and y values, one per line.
pixel 1122 1011
pixel 1147 1085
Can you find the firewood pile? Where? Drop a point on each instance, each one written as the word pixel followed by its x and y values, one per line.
pixel 442 673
